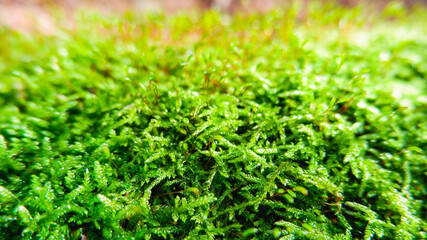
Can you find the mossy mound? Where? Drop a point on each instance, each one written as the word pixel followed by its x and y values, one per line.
pixel 212 126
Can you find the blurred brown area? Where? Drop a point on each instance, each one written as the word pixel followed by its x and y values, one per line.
pixel 42 15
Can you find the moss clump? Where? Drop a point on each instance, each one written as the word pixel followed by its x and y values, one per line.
pixel 210 126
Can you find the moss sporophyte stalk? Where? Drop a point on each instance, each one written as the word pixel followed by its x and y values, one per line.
pixel 256 126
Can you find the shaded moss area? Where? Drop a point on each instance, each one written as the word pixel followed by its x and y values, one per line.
pixel 206 126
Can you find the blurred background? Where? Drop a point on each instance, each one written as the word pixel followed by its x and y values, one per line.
pixel 42 15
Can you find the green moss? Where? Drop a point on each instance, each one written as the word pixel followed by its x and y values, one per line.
pixel 208 126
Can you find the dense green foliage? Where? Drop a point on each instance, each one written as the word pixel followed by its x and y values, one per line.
pixel 209 126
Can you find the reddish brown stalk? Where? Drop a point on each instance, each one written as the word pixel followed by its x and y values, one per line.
pixel 341 95
pixel 156 94
pixel 191 110
pixel 216 84
pixel 164 194
pixel 208 144
pixel 185 125
pixel 296 220
pixel 154 105
pixel 276 194
pixel 195 113
pixel 212 207
pixel 16 155
pixel 185 155
pixel 394 114
pixel 344 108
pixel 145 101
pixel 210 153
pixel 117 169
pixel 395 155
pixel 247 122
pixel 243 89
pixel 179 129
pixel 207 84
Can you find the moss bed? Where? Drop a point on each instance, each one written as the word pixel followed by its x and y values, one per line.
pixel 205 125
